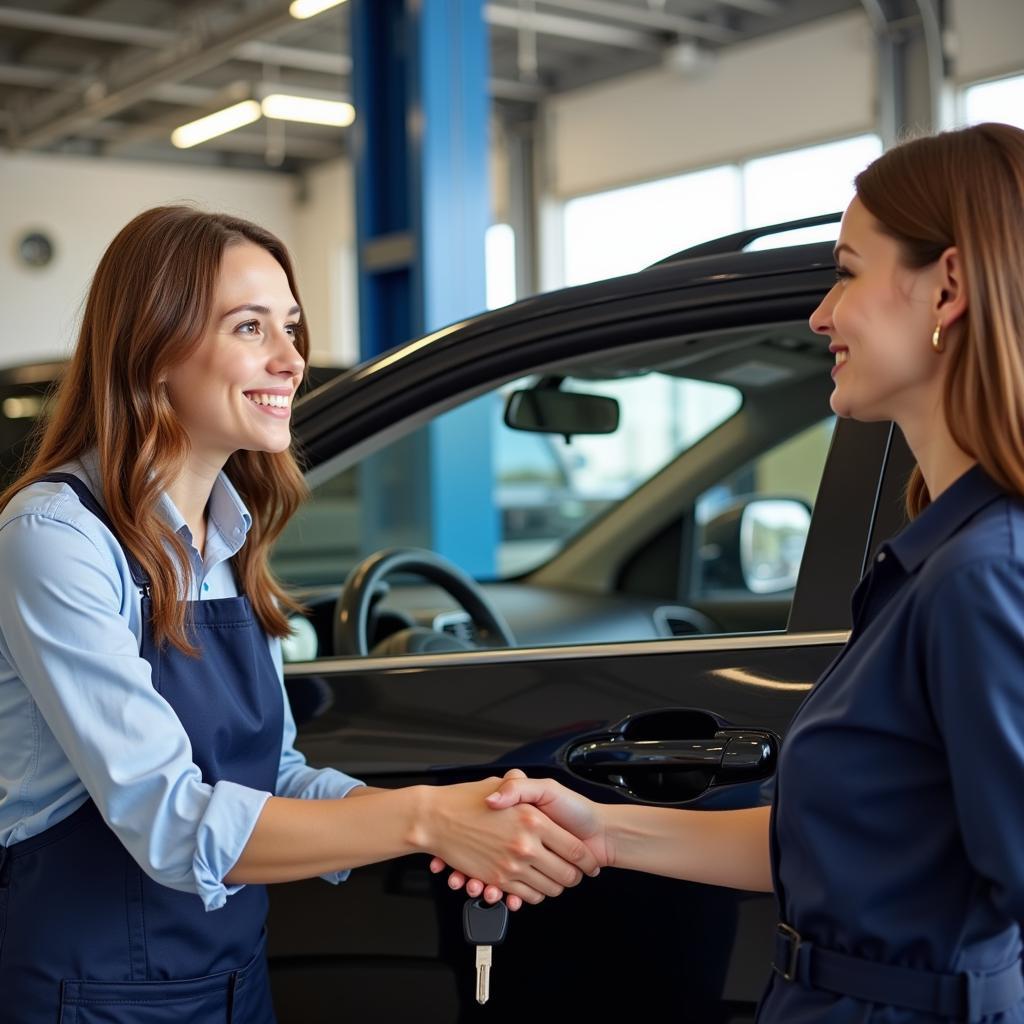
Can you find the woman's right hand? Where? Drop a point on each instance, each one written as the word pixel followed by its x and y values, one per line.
pixel 569 810
pixel 505 841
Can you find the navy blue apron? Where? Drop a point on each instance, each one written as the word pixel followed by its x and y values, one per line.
pixel 86 937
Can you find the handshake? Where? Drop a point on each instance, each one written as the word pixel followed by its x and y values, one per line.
pixel 540 839
pixel 531 838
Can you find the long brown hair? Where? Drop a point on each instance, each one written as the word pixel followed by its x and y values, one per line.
pixel 965 188
pixel 148 308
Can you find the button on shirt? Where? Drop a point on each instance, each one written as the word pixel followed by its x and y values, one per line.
pixel 898 825
pixel 79 716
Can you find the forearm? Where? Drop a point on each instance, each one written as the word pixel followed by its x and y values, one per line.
pixel 728 848
pixel 304 838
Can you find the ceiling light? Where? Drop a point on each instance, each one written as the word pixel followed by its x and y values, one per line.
pixel 209 127
pixel 309 8
pixel 284 107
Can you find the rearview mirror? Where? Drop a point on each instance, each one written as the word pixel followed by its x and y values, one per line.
pixel 551 411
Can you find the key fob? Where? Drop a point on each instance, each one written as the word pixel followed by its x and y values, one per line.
pixel 484 924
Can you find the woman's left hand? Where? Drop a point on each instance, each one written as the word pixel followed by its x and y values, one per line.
pixel 473 886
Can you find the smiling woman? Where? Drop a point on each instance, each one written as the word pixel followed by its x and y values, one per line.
pixel 148 773
pixel 234 393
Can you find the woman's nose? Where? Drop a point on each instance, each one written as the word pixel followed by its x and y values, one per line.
pixel 287 358
pixel 821 319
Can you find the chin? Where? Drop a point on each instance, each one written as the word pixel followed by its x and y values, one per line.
pixel 847 410
pixel 839 405
pixel 271 447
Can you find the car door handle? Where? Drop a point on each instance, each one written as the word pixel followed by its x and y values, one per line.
pixel 729 754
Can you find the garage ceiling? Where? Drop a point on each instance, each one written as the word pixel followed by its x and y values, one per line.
pixel 113 78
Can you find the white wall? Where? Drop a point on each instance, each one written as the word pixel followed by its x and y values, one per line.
pixel 81 204
pixel 808 85
pixel 325 262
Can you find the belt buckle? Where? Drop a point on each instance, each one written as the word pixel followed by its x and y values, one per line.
pixel 792 936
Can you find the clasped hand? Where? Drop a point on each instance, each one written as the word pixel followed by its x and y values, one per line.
pixel 568 826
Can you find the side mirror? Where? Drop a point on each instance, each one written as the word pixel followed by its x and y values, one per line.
pixel 773 532
pixel 756 545
pixel 548 410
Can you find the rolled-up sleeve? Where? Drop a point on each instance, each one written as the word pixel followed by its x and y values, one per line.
pixel 975 675
pixel 295 778
pixel 64 633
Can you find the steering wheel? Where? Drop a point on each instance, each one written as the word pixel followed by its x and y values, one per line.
pixel 352 611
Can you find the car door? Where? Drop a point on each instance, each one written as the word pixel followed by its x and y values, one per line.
pixel 387 945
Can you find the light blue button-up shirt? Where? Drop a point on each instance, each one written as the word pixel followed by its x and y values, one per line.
pixel 79 716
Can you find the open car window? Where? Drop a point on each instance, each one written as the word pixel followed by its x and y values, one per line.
pixel 544 488
pixel 663 492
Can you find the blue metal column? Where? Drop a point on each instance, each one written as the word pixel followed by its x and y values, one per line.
pixel 423 206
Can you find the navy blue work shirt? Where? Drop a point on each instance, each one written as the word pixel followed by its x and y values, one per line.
pixel 897 832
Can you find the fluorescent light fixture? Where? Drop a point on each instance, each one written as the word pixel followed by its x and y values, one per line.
pixel 284 107
pixel 219 123
pixel 310 8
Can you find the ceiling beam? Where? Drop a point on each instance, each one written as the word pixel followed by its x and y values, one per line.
pixel 572 28
pixel 183 94
pixel 647 18
pixel 134 78
pixel 767 8
pixel 83 28
pixel 296 58
pixel 37 78
pixel 522 92
pixel 161 38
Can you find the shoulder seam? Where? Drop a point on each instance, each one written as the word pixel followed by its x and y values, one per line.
pixel 49 513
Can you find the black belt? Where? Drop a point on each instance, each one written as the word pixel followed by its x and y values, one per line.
pixel 968 996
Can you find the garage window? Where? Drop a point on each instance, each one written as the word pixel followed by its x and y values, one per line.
pixel 624 230
pixel 998 100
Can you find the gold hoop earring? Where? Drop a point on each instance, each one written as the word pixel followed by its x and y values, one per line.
pixel 937 344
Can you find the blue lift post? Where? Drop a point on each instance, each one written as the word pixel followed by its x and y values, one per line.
pixel 420 77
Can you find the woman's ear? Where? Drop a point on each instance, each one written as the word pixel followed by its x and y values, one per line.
pixel 952 298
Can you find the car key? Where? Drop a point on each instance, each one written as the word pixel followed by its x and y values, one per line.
pixel 484 925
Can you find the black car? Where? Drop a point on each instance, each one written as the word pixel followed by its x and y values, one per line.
pixel 649 642
pixel 676 523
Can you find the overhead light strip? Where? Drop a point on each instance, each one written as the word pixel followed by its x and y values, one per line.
pixel 219 123
pixel 279 106
pixel 284 107
pixel 311 8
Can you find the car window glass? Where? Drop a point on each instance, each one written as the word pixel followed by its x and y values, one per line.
pixel 548 488
pixel 626 500
pixel 545 488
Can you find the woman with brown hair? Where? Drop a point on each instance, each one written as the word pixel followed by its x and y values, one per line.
pixel 149 786
pixel 895 841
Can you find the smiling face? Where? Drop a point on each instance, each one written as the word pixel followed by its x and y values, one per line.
pixel 235 390
pixel 880 315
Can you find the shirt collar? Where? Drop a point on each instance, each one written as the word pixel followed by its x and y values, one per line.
pixel 226 510
pixel 962 500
